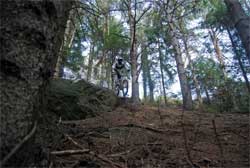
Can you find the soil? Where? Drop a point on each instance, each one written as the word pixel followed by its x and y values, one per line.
pixel 150 137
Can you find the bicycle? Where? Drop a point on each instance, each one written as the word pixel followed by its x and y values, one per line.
pixel 121 85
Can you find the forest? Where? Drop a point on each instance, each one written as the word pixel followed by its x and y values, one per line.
pixel 194 42
pixel 182 101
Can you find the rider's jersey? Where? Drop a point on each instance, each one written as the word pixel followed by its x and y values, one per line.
pixel 121 68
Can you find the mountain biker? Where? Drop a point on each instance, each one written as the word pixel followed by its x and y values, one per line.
pixel 120 68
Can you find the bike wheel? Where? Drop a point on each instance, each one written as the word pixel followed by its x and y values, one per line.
pixel 117 89
pixel 125 88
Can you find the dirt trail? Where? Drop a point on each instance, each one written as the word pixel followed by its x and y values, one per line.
pixel 145 136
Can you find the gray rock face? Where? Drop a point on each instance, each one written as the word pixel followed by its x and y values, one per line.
pixel 78 100
pixel 31 36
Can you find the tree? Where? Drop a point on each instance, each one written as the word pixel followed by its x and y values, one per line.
pixel 133 20
pixel 238 55
pixel 172 12
pixel 31 37
pixel 241 22
pixel 218 20
pixel 208 74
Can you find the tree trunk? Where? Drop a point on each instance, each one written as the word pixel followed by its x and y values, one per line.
pixel 90 63
pixel 185 88
pixel 31 36
pixel 150 82
pixel 151 87
pixel 218 52
pixel 144 64
pixel 241 22
pixel 207 95
pixel 162 74
pixel 133 57
pixel 196 83
pixel 239 60
pixel 135 84
pixel 67 42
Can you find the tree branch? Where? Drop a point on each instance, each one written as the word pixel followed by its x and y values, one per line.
pixel 143 13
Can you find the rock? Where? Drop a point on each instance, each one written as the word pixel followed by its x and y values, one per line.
pixel 78 100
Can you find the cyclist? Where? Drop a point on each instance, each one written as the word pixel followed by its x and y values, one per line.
pixel 120 68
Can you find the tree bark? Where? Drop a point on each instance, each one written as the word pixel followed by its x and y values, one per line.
pixel 151 87
pixel 239 60
pixel 67 42
pixel 133 56
pixel 196 83
pixel 31 36
pixel 144 64
pixel 218 52
pixel 162 74
pixel 241 22
pixel 90 63
pixel 185 88
pixel 207 95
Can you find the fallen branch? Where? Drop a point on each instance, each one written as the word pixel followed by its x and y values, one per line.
pixel 70 152
pixel 106 129
pixel 103 158
pixel 145 127
pixel 19 145
pixel 74 142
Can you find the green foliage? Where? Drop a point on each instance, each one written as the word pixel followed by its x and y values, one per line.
pixel 208 72
pixel 75 60
pixel 216 14
pixel 232 96
pixel 114 39
pixel 228 95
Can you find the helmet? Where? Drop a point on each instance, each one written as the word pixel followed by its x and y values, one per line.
pixel 120 59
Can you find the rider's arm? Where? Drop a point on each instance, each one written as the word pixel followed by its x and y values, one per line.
pixel 127 66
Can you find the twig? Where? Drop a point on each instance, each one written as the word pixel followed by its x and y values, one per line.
pixel 70 152
pixel 51 165
pixel 74 142
pixel 18 146
pixel 103 158
pixel 144 127
pixel 218 142
pixel 106 129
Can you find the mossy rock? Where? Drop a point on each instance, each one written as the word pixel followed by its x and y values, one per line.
pixel 78 100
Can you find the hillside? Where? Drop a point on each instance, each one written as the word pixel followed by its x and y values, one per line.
pixel 147 136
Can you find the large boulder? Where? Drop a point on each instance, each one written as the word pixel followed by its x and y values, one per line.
pixel 78 100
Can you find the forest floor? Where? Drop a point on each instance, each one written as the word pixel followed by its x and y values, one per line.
pixel 150 137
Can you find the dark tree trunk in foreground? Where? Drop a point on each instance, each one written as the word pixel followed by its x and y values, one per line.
pixel 241 22
pixel 31 37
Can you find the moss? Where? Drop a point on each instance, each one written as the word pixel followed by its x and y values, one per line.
pixel 78 100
